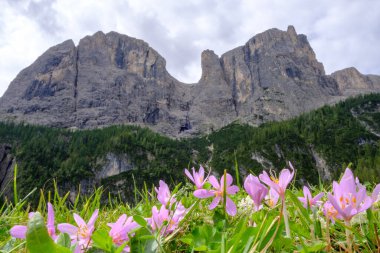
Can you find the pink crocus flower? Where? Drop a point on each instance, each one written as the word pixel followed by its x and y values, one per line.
pixel 350 197
pixel 278 184
pixel 120 229
pixel 162 215
pixel 198 178
pixel 307 200
pixel 272 198
pixel 82 233
pixel 163 194
pixel 256 190
pixel 330 211
pixel 20 231
pixel 217 193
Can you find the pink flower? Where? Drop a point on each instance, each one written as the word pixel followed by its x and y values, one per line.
pixel 375 194
pixel 307 200
pixel 256 190
pixel 165 215
pixel 272 198
pixel 198 178
pixel 82 233
pixel 278 184
pixel 20 231
pixel 218 193
pixel 350 197
pixel 163 194
pixel 120 229
pixel 330 211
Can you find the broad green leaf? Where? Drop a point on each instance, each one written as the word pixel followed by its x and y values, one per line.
pixel 140 220
pixel 38 239
pixel 64 240
pixel 102 240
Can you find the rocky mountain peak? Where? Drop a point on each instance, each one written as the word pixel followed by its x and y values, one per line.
pixel 292 31
pixel 116 79
pixel 211 67
pixel 351 81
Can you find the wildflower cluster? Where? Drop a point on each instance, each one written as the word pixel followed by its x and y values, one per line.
pixel 347 199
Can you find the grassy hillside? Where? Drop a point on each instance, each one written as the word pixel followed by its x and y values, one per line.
pixel 331 132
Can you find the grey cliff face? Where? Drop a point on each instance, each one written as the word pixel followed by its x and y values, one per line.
pixel 351 82
pixel 115 79
pixel 43 93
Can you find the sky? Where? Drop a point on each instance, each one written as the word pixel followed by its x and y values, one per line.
pixel 343 33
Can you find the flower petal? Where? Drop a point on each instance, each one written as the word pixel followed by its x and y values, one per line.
pixel 303 201
pixel 30 215
pixel 264 177
pixel 367 204
pixel 232 190
pixel 80 222
pixel 229 180
pixel 202 193
pixel 214 203
pixel 163 193
pixel 93 218
pixel 214 182
pixel 50 219
pixel 335 204
pixel 318 197
pixel 201 172
pixel 347 182
pixel 118 224
pixel 284 179
pixel 189 175
pixel 78 249
pixel 230 207
pixel 68 228
pixel 375 193
pixel 307 193
pixel 248 184
pixel 18 231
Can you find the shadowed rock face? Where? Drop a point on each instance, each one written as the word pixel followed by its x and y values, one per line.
pixel 115 79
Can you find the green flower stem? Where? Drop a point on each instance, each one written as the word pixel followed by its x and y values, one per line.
pixel 312 227
pixel 286 219
pixel 349 236
pixel 225 194
pixel 328 238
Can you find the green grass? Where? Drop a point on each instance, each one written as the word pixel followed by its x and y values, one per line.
pixel 201 230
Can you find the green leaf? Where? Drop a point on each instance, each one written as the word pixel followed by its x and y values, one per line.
pixel 151 246
pixel 38 239
pixel 121 248
pixel 64 240
pixel 102 240
pixel 147 237
pixel 315 247
pixel 187 239
pixel 140 220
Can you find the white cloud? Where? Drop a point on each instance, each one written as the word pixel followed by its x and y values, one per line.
pixel 343 33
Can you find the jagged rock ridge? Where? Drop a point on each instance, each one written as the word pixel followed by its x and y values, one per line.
pixel 115 79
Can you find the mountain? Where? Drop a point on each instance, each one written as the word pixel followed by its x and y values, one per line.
pixel 320 144
pixel 113 79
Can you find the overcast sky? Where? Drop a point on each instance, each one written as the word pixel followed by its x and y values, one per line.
pixel 343 33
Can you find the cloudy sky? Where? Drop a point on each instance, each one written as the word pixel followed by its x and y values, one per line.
pixel 343 33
